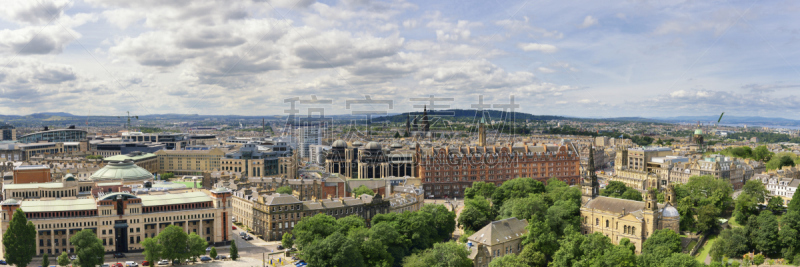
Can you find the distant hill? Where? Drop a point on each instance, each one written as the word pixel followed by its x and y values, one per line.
pixel 749 120
pixel 462 114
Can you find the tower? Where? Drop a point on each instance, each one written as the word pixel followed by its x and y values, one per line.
pixel 482 132
pixel 408 123
pixel 649 213
pixel 426 126
pixel 670 196
pixel 590 187
pixel 621 160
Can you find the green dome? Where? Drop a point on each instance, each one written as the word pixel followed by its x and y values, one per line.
pixel 125 171
pixel 698 131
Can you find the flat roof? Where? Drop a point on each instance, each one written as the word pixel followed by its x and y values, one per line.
pixel 58 205
pixel 172 199
pixel 134 158
pixel 33 186
pixel 31 167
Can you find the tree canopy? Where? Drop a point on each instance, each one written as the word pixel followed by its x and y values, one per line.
pixel 448 254
pixel 284 190
pixel 19 240
pixel 363 189
pixel 88 248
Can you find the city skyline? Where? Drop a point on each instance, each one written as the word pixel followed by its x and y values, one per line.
pixel 103 57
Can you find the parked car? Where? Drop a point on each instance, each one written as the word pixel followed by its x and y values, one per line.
pixel 145 263
pixel 205 258
pixel 220 257
pixel 300 263
pixel 280 247
pixel 73 257
pixel 118 265
pixel 249 237
pixel 163 262
pixel 208 249
pixel 131 264
pixel 3 262
pixel 119 255
pixel 234 227
pixel 105 265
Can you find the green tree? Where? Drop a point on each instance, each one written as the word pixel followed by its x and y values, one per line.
pixel 756 189
pixel 284 190
pixel 775 204
pixel 397 135
pixel 287 241
pixel 396 244
pixel 476 214
pixel 569 251
pixel 559 190
pixel 197 246
pixel 622 255
pixel 508 260
pixel 213 253
pixel 540 237
pixel 780 160
pixel 480 188
pixel 88 248
pixel 761 153
pixel 631 194
pixel 19 240
pixel 363 189
pixel 234 251
pixel 516 188
pixel 316 227
pixel 680 260
pixel 63 259
pixel 532 257
pixel 334 250
pixel 524 208
pixel 730 243
pixel 443 220
pixel 45 260
pixel 450 254
pixel 788 234
pixel 173 242
pixel 152 250
pixel 659 246
pixel 758 259
pixel 794 204
pixel 563 214
pixel 707 217
pixel 686 210
pixel 167 176
pixel 746 206
pixel 614 189
pixel 765 236
pixel 346 224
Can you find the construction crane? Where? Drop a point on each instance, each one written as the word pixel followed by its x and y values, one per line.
pixel 129 118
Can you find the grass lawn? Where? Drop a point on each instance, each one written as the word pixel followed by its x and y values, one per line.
pixel 732 222
pixel 701 256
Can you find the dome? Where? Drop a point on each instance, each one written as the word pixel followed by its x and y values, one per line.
pixel 339 144
pixel 357 143
pixel 670 211
pixel 373 146
pixel 126 171
pixel 69 177
pixel 698 131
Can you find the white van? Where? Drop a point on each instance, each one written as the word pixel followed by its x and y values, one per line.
pixel 131 264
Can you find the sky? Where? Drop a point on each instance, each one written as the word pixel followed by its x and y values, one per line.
pixel 257 57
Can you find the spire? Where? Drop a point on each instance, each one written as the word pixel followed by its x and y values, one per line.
pixel 590 186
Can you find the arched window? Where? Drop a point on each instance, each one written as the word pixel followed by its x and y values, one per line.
pixel 606 223
pixel 633 230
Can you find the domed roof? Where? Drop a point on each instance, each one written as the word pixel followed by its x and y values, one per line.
pixel 126 171
pixel 339 144
pixel 698 131
pixel 670 211
pixel 357 143
pixel 69 177
pixel 373 146
pixel 396 145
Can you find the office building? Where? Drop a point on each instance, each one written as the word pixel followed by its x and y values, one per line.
pixel 189 162
pixel 55 136
pixel 7 132
pixel 26 174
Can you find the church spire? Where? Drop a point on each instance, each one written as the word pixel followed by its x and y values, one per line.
pixel 590 187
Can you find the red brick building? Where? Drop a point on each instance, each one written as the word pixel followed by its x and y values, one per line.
pixel 448 171
pixel 32 174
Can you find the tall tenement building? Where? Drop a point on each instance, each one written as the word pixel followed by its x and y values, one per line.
pixel 448 171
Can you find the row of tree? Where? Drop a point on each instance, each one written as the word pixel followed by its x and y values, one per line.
pixel 326 241
pixel 617 189
pixel 173 243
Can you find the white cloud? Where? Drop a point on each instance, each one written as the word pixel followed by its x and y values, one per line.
pixel 544 48
pixel 546 70
pixel 588 21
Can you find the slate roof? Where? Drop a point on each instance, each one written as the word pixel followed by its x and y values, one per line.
pixel 616 205
pixel 500 231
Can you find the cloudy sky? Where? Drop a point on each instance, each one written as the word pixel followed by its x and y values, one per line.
pixel 590 58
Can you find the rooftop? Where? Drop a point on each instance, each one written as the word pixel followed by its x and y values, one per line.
pixel 171 199
pixel 58 205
